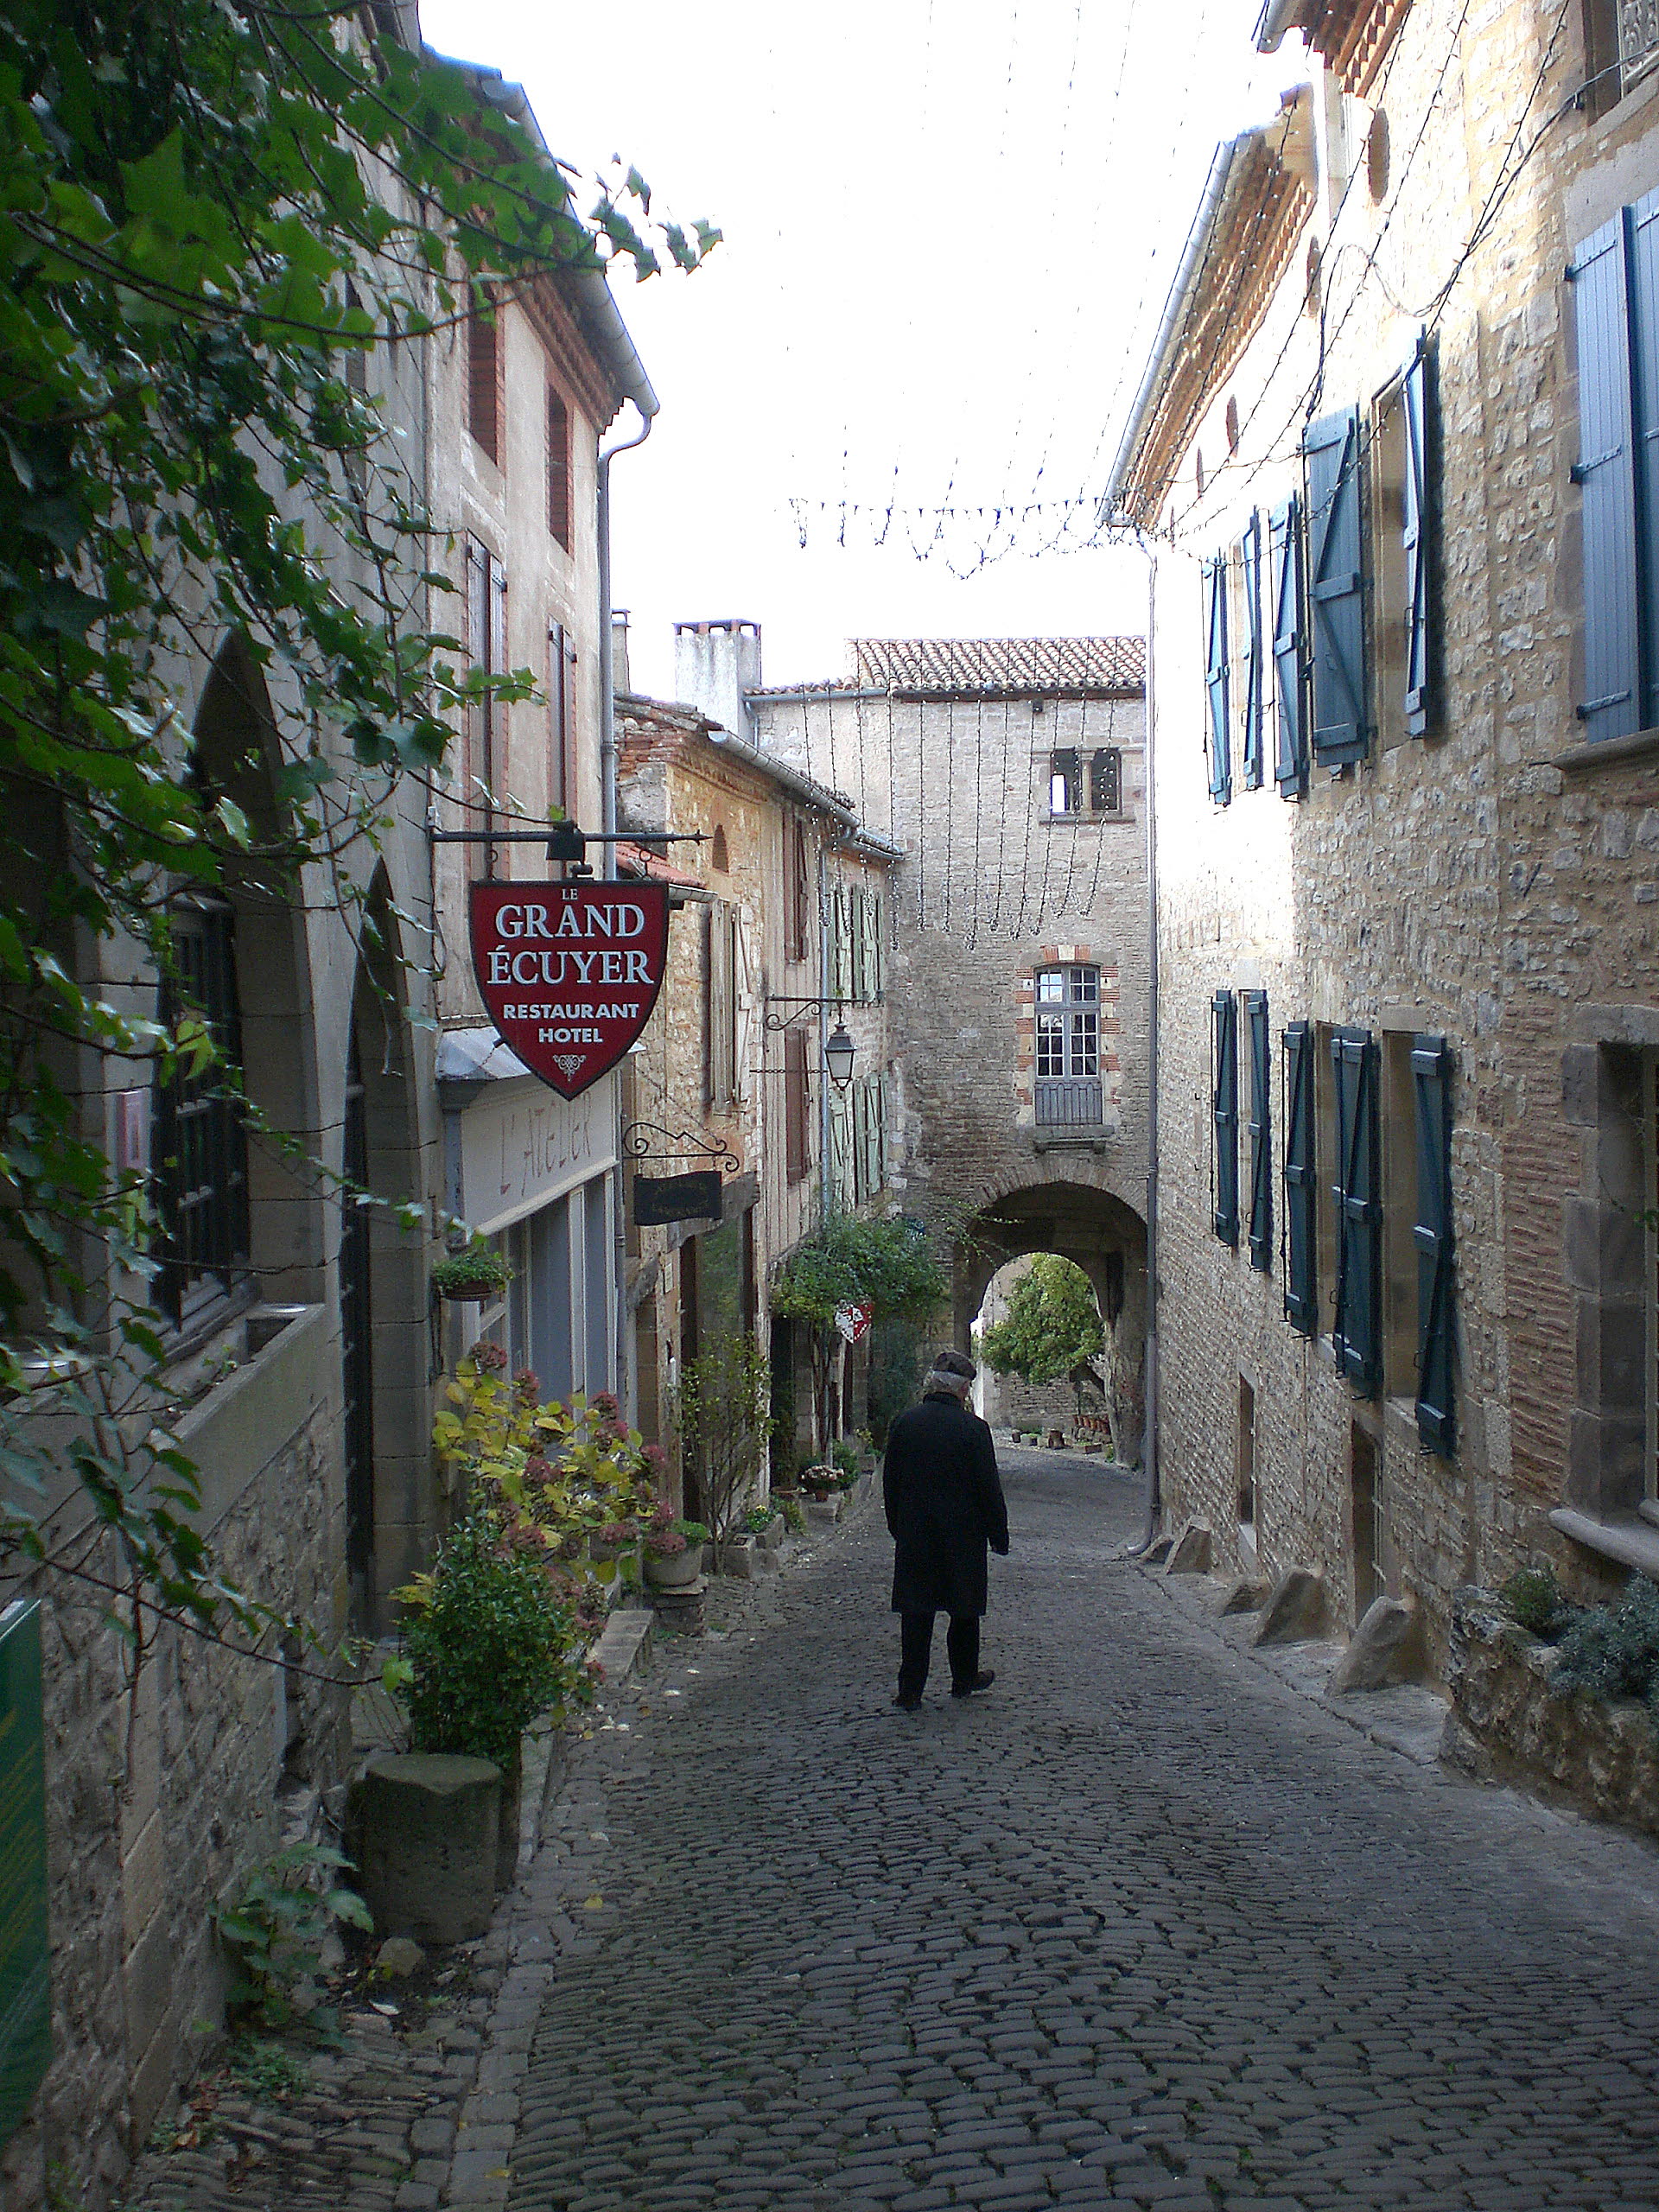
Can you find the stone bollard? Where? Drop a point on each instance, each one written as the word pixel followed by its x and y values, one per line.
pixel 1189 1554
pixel 1294 1612
pixel 425 1830
pixel 1383 1649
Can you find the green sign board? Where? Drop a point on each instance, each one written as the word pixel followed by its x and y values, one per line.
pixel 25 1983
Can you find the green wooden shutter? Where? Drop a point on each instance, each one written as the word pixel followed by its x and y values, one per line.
pixel 1289 650
pixel 882 1132
pixel 1224 1113
pixel 878 948
pixel 841 1150
pixel 1354 1333
pixel 1215 626
pixel 1431 1071
pixel 1256 1024
pixel 1336 588
pixel 1252 557
pixel 1420 504
pixel 1605 473
pixel 1301 1195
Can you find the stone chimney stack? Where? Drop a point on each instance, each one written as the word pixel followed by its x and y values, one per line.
pixel 621 675
pixel 714 663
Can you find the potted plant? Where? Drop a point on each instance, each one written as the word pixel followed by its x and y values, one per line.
pixel 673 1550
pixel 766 1524
pixel 819 1482
pixel 476 1274
pixel 491 1641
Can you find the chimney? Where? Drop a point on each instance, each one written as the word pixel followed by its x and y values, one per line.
pixel 621 675
pixel 714 663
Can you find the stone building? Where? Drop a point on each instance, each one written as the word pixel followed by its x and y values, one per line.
pixel 298 1326
pixel 1387 461
pixel 776 945
pixel 1009 773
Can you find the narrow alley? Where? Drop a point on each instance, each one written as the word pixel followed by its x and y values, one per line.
pixel 1080 1940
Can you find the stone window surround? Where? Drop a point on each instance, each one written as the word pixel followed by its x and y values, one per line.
pixel 1607 1095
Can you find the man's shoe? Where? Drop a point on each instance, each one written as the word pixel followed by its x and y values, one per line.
pixel 980 1681
pixel 907 1704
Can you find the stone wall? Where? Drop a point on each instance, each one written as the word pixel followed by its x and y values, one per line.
pixel 1506 1725
pixel 162 1796
pixel 1493 883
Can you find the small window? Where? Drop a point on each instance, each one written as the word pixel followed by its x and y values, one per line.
pixel 717 855
pixel 800 901
pixel 558 468
pixel 1064 783
pixel 1232 424
pixel 1085 783
pixel 1313 281
pixel 1376 158
pixel 484 378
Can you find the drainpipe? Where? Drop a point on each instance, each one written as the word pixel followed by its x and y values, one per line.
pixel 626 1382
pixel 606 651
pixel 1149 1443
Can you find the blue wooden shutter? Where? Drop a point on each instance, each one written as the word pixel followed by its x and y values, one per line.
pixel 1605 472
pixel 1252 557
pixel 1289 649
pixel 1336 588
pixel 1215 627
pixel 1224 1107
pixel 1301 1194
pixel 1420 500
pixel 1431 1073
pixel 1256 1023
pixel 1354 1333
pixel 1643 268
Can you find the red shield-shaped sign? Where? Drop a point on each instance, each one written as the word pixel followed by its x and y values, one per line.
pixel 569 971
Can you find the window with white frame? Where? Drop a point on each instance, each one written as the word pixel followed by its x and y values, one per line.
pixel 1068 1047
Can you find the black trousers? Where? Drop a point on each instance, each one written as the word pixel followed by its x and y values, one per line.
pixel 916 1646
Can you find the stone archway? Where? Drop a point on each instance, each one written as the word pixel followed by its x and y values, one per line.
pixel 1094 1228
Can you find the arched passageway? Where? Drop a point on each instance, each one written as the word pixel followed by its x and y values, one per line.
pixel 1104 1236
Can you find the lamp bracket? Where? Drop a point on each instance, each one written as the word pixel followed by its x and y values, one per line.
pixel 802 1008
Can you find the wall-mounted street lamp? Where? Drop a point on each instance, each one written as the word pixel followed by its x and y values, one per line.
pixel 839 1049
pixel 838 1054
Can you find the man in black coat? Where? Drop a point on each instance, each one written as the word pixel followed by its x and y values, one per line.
pixel 945 1504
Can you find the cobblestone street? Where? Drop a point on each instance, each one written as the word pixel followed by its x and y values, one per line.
pixel 1139 1926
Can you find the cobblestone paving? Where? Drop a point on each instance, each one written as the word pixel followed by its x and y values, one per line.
pixel 1139 1926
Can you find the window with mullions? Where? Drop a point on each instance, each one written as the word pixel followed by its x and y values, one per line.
pixel 1082 784
pixel 200 1146
pixel 1069 1093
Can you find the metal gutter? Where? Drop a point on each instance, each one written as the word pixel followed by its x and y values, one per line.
pixel 800 787
pixel 1175 306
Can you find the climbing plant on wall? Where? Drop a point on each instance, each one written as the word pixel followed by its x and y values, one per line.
pixel 210 212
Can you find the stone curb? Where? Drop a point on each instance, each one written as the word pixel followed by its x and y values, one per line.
pixel 1408 1718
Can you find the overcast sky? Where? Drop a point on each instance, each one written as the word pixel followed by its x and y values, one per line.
pixel 948 233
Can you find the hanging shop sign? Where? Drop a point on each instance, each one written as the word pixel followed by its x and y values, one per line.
pixel 570 972
pixel 853 1321
pixel 660 1200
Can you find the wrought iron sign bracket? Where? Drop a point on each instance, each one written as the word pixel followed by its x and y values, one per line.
pixel 636 1145
pixel 802 1008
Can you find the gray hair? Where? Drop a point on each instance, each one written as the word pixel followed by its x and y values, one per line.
pixel 947 1378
